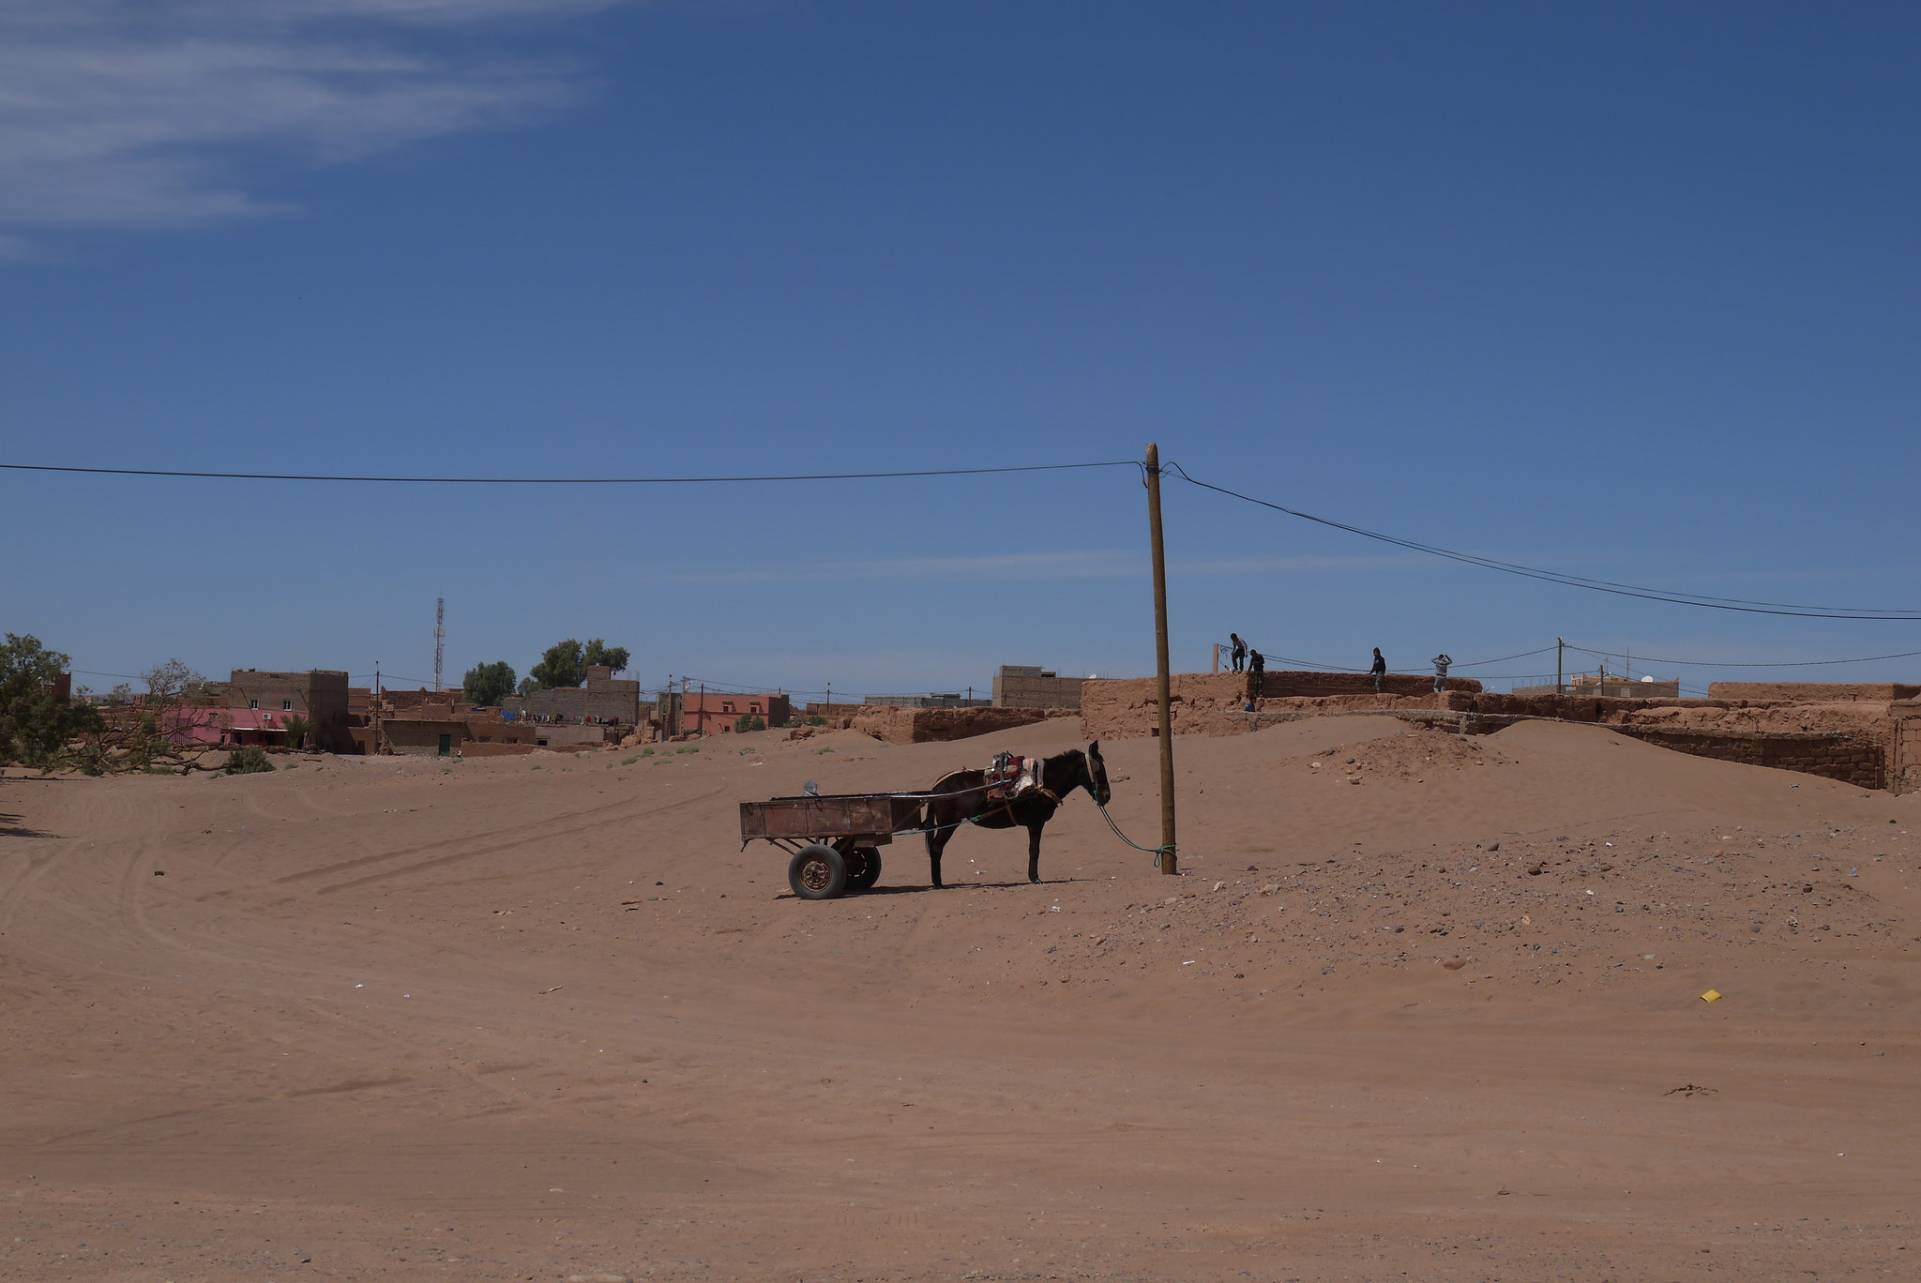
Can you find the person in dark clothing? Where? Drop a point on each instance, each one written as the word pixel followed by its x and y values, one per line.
pixel 1256 678
pixel 1238 650
pixel 1379 670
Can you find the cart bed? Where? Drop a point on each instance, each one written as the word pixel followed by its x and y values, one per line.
pixel 872 817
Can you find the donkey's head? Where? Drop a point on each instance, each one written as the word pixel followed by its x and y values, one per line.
pixel 1094 775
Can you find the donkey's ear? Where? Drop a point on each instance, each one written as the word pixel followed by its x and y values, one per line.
pixel 1094 749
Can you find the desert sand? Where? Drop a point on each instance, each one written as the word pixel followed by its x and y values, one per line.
pixel 1418 1008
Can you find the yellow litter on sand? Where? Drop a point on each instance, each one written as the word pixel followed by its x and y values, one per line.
pixel 1712 995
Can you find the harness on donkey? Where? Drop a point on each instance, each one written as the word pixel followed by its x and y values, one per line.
pixel 1010 776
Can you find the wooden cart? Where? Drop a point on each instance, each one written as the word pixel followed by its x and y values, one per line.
pixel 834 841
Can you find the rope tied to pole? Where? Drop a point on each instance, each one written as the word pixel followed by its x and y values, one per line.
pixel 1158 852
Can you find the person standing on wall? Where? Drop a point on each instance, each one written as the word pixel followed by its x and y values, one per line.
pixel 1238 651
pixel 1379 670
pixel 1441 662
pixel 1256 678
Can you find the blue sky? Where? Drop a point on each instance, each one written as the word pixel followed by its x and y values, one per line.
pixel 1633 292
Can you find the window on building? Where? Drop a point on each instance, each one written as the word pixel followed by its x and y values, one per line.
pixel 286 706
pixel 253 703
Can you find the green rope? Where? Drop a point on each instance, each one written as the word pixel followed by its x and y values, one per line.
pixel 1158 852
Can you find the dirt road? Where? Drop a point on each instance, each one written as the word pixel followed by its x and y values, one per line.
pixel 1418 1008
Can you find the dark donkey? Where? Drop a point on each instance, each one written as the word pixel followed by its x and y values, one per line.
pixel 964 798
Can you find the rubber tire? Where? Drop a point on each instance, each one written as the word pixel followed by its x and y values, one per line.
pixel 805 873
pixel 868 871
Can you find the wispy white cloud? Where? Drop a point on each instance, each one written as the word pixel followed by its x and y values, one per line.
pixel 116 114
pixel 1021 567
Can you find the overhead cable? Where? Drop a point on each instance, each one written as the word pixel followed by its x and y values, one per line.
pixel 1702 601
pixel 1738 663
pixel 182 473
pixel 1502 659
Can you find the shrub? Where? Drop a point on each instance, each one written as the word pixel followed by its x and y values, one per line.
pixel 748 722
pixel 247 761
pixel 813 719
pixel 297 728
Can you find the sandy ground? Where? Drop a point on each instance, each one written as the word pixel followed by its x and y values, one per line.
pixel 1419 1008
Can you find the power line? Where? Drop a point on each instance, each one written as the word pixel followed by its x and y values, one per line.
pixel 1702 601
pixel 1343 668
pixel 737 688
pixel 1736 663
pixel 1502 659
pixel 1307 663
pixel 180 473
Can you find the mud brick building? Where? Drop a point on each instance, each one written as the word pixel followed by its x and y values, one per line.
pixel 319 695
pixel 715 713
pixel 604 699
pixel 933 699
pixel 1029 686
pixel 423 735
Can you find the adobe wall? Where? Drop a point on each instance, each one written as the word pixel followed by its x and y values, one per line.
pixel 495 748
pixel 1210 703
pixel 1853 759
pixel 1030 686
pixel 421 738
pixel 1862 742
pixel 481 726
pixel 605 699
pixel 1812 692
pixel 561 735
pixel 938 725
pixel 1904 749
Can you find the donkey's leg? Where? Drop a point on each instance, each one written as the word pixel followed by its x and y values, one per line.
pixel 936 842
pixel 1034 851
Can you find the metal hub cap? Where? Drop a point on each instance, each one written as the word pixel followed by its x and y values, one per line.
pixel 815 874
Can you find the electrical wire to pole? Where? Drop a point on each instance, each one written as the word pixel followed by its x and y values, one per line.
pixel 1739 663
pixel 1614 587
pixel 1701 601
pixel 744 479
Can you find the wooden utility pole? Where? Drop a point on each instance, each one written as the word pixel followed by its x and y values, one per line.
pixel 1559 646
pixel 1169 862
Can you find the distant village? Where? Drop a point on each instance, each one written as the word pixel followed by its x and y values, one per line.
pixel 321 710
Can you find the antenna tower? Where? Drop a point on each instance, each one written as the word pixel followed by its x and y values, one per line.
pixel 440 636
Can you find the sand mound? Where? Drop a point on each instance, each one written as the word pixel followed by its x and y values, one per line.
pixel 1413 755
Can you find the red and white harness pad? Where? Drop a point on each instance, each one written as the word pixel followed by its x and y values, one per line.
pixel 1011 775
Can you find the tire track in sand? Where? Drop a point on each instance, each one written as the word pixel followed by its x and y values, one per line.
pixel 494 848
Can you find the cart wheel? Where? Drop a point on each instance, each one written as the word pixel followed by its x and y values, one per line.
pixel 864 870
pixel 817 873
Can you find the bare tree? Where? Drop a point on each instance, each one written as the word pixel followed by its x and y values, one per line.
pixel 170 728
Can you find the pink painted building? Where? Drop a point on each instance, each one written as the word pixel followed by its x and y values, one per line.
pixel 227 727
